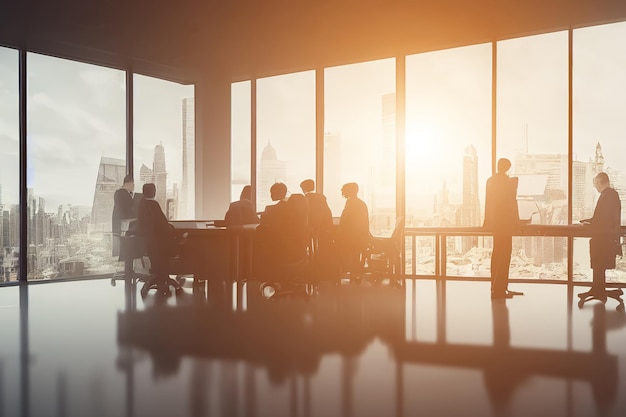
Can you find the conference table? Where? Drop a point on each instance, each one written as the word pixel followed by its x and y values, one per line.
pixel 211 252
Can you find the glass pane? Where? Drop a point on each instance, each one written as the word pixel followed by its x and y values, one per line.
pixel 9 165
pixel 76 160
pixel 285 133
pixel 599 123
pixel 539 257
pixel 448 136
pixel 359 143
pixel 532 122
pixel 162 155
pixel 240 137
pixel 419 252
pixel 582 264
pixel 468 256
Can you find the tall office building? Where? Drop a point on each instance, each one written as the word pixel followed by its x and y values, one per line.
pixel 470 214
pixel 110 177
pixel 160 175
pixel 186 200
pixel 271 170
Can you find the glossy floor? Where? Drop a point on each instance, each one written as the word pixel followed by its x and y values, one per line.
pixel 427 348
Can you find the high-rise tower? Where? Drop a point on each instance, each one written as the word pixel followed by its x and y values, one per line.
pixel 471 202
pixel 110 177
pixel 160 175
pixel 186 201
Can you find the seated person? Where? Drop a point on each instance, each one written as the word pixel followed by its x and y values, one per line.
pixel 242 211
pixel 353 233
pixel 153 226
pixel 123 209
pixel 280 234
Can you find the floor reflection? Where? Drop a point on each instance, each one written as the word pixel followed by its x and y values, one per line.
pixel 348 350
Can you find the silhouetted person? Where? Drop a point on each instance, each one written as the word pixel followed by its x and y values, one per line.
pixel 242 211
pixel 123 209
pixel 502 220
pixel 320 218
pixel 273 230
pixel 353 234
pixel 605 224
pixel 155 230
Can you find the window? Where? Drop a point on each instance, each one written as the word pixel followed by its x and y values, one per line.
pixel 448 137
pixel 76 159
pixel 240 137
pixel 360 138
pixel 599 123
pixel 9 165
pixel 285 132
pixel 164 143
pixel 532 122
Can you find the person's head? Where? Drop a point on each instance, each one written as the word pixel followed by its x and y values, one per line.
pixel 601 181
pixel 503 165
pixel 350 189
pixel 246 193
pixel 278 191
pixel 129 183
pixel 307 186
pixel 149 190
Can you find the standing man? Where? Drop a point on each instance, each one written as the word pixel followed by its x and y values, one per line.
pixel 605 231
pixel 502 220
pixel 353 234
pixel 320 221
pixel 122 209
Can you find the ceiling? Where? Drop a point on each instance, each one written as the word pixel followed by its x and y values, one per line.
pixel 239 39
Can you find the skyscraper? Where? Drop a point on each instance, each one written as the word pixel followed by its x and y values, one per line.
pixel 160 175
pixel 271 170
pixel 186 200
pixel 470 214
pixel 110 177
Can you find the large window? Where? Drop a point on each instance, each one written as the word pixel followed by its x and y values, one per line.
pixel 532 122
pixel 448 136
pixel 360 138
pixel 164 143
pixel 240 137
pixel 599 123
pixel 9 165
pixel 285 132
pixel 76 160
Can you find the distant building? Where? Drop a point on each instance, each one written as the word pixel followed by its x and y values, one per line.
pixel 186 198
pixel 110 177
pixel 271 170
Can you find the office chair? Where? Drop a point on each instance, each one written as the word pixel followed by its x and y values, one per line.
pixel 170 265
pixel 282 256
pixel 383 257
pixel 602 296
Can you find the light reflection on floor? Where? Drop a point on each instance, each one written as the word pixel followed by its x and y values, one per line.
pixel 425 348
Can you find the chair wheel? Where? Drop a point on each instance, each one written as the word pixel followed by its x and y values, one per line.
pixel 267 290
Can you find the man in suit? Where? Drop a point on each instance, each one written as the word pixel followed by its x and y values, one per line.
pixel 502 220
pixel 353 234
pixel 242 211
pixel 123 209
pixel 320 218
pixel 605 231
pixel 273 234
pixel 155 230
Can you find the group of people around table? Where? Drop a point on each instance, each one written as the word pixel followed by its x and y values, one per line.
pixel 300 225
pixel 307 218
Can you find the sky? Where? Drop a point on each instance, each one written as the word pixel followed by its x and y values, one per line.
pixel 76 115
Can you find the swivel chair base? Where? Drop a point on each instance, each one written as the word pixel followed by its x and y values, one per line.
pixel 602 296
pixel 152 283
